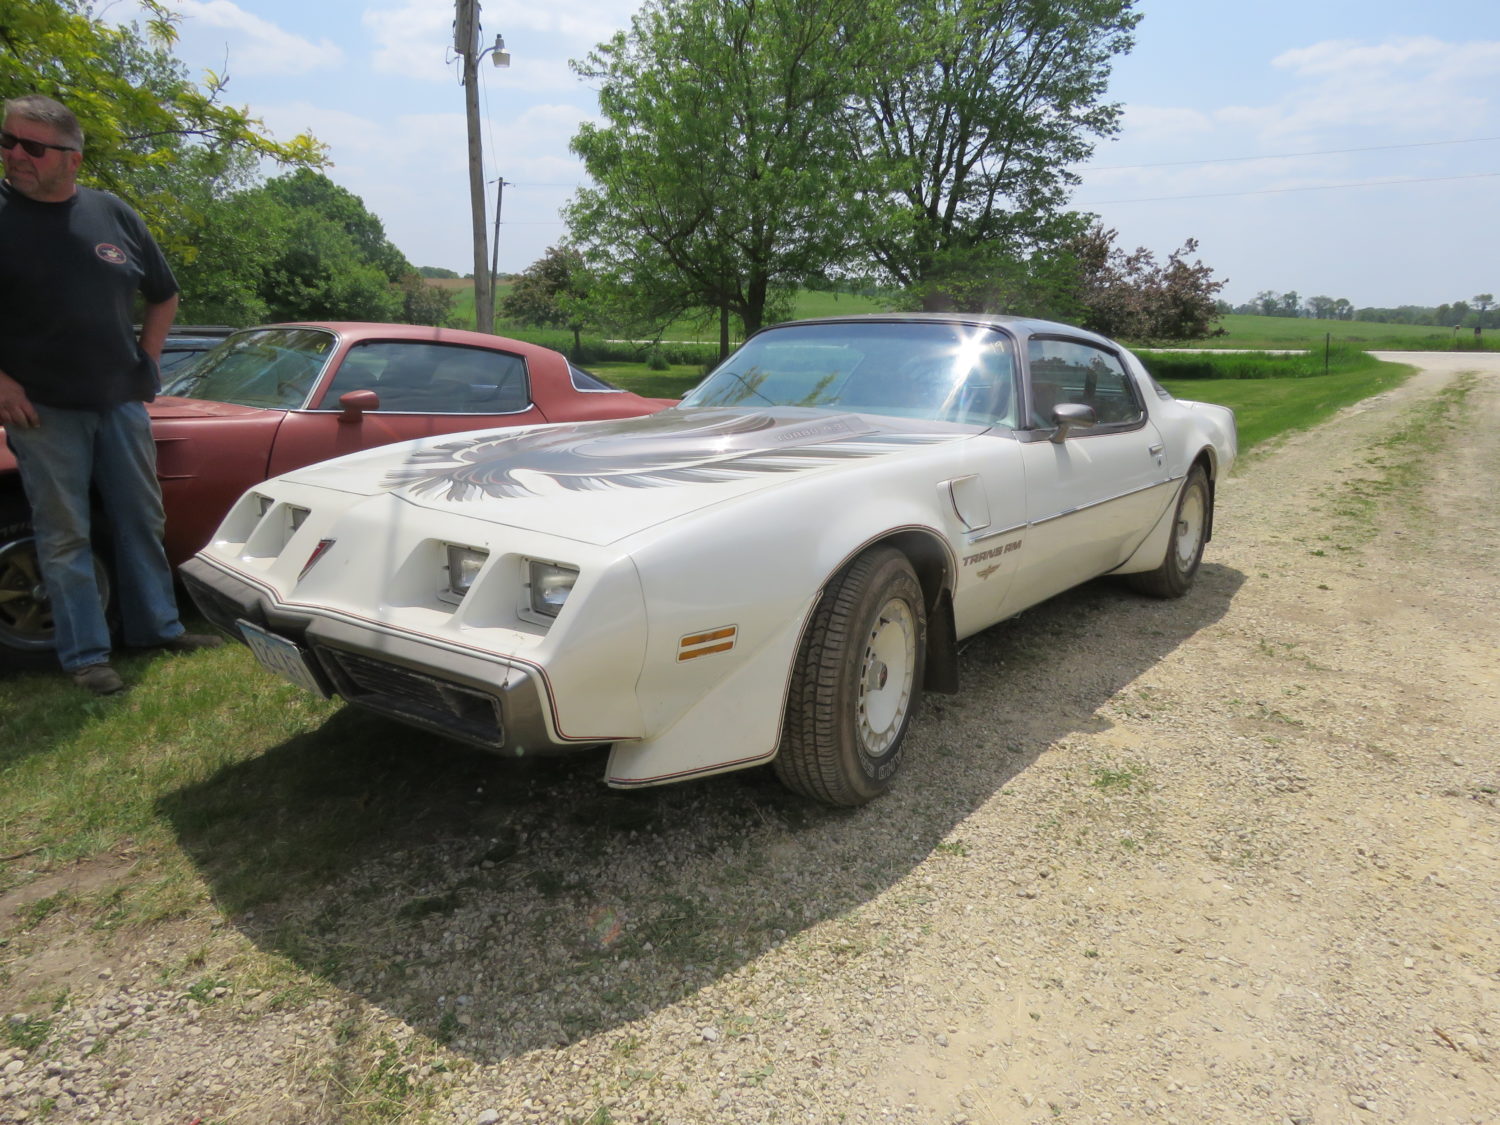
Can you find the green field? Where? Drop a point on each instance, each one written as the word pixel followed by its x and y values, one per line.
pixel 1302 332
pixel 1240 331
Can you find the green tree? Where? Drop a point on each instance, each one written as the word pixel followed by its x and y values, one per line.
pixel 308 191
pixel 718 177
pixel 422 303
pixel 330 258
pixel 149 129
pixel 1130 295
pixel 1483 302
pixel 224 254
pixel 552 292
pixel 966 129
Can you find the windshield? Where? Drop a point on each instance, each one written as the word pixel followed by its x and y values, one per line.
pixel 915 369
pixel 266 367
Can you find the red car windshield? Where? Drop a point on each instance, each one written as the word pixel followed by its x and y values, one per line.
pixel 273 368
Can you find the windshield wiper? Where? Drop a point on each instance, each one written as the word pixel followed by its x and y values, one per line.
pixel 742 381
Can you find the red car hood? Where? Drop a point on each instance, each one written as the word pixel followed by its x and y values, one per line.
pixel 167 407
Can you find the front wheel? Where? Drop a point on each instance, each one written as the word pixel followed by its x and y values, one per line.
pixel 856 683
pixel 1174 577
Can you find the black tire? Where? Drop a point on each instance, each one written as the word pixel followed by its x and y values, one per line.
pixel 1190 524
pixel 856 684
pixel 26 633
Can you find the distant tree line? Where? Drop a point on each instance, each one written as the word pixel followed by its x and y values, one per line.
pixel 1477 312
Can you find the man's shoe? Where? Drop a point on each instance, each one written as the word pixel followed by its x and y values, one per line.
pixel 100 679
pixel 191 642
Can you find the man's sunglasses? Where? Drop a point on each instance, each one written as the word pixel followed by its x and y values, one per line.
pixel 34 149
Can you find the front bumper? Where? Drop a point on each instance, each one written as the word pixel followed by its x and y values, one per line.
pixel 475 697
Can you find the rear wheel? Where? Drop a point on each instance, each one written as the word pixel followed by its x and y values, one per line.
pixel 1174 577
pixel 856 683
pixel 27 639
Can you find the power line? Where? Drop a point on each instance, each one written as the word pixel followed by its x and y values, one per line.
pixel 1278 155
pixel 1279 191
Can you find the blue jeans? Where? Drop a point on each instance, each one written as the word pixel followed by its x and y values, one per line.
pixel 113 451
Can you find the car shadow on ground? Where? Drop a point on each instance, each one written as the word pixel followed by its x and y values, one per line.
pixel 503 906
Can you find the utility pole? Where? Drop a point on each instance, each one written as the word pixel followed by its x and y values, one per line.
pixel 466 43
pixel 495 242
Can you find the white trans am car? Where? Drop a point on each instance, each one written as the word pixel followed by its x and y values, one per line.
pixel 771 572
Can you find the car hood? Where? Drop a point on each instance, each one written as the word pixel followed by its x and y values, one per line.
pixel 167 406
pixel 599 481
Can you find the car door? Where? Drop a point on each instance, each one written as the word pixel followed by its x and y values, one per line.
pixel 1091 497
pixel 423 389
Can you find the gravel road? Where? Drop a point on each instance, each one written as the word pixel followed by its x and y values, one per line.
pixel 1233 859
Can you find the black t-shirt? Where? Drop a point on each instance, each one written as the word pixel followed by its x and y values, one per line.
pixel 69 273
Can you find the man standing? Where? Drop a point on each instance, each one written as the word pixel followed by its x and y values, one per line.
pixel 74 378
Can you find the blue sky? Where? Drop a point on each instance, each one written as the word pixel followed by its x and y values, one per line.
pixel 1241 127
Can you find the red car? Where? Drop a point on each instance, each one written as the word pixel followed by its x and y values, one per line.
pixel 271 399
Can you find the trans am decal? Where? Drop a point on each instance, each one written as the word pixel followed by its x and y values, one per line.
pixel 657 451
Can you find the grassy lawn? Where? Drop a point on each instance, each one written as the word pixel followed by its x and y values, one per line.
pixel 1266 408
pixel 1302 332
pixel 674 382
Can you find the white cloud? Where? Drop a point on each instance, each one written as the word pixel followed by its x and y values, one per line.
pixel 1420 84
pixel 1148 124
pixel 1419 54
pixel 252 45
pixel 414 40
pixel 584 21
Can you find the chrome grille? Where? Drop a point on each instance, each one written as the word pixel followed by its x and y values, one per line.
pixel 459 711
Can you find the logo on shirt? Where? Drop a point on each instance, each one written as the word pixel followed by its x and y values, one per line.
pixel 110 253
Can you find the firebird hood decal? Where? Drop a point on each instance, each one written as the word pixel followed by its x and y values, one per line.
pixel 657 451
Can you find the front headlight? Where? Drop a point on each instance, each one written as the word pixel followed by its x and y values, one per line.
pixel 464 564
pixel 550 585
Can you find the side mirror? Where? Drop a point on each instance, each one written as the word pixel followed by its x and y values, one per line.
pixel 1071 416
pixel 355 403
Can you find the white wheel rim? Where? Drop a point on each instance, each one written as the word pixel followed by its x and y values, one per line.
pixel 1190 527
pixel 885 676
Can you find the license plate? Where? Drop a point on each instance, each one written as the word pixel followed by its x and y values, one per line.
pixel 282 657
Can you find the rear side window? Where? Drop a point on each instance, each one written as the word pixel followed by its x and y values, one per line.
pixel 417 378
pixel 587 380
pixel 1064 371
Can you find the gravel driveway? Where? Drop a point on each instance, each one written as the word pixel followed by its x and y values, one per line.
pixel 1230 859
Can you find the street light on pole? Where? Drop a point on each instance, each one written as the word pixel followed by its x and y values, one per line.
pixel 466 44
